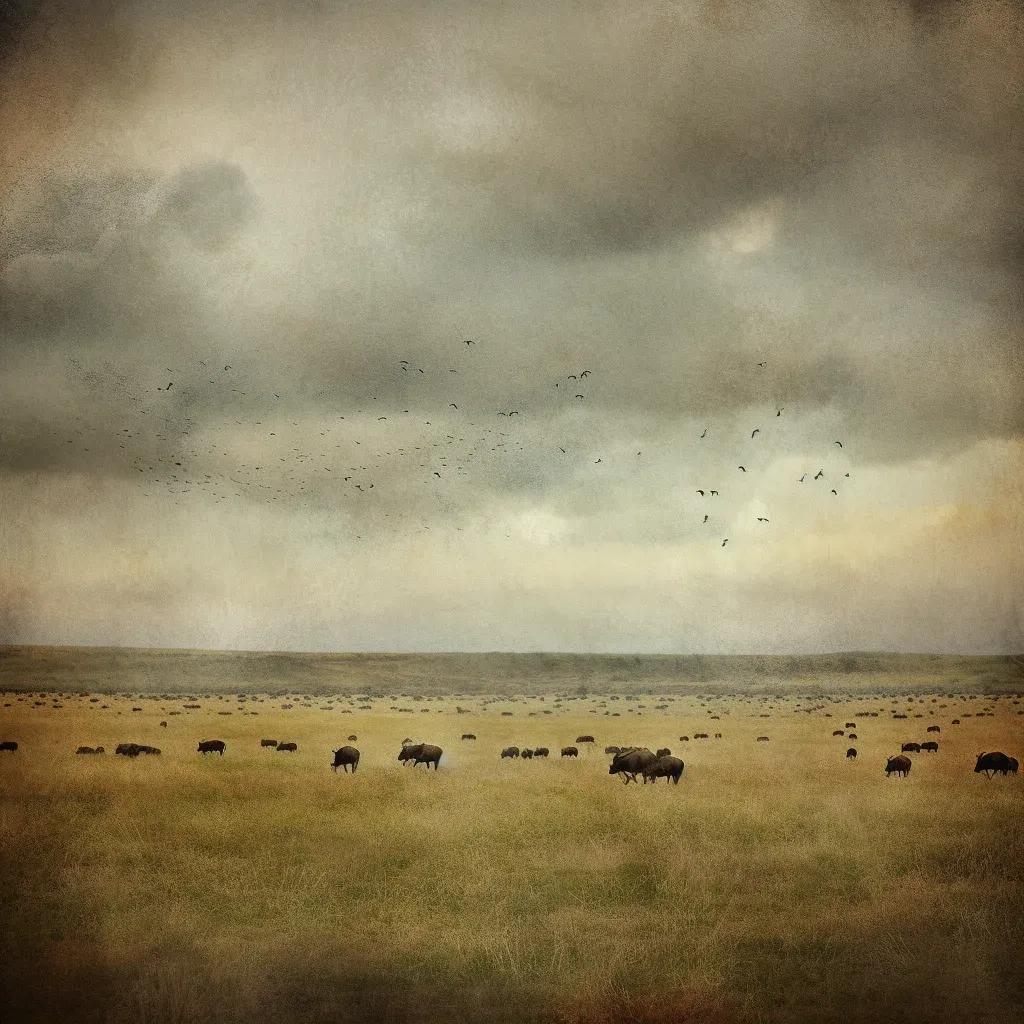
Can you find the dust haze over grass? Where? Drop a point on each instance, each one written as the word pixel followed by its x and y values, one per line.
pixel 115 669
pixel 778 881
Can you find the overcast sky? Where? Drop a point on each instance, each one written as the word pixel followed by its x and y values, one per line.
pixel 243 246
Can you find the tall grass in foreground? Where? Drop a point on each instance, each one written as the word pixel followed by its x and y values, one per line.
pixel 777 882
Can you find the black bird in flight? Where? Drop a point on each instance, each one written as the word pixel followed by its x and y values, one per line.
pixel 743 468
pixel 762 364
pixel 705 434
pixel 585 373
pixel 700 492
pixel 778 412
pixel 579 396
pixel 834 492
pixel 847 474
pixel 227 367
pixel 757 431
pixel 452 405
pixel 382 417
pixel 469 343
pixel 561 449
pixel 596 461
pixel 714 492
pixel 840 443
pixel 761 519
pixel 514 412
pixel 820 473
pixel 802 479
pixel 724 542
pixel 572 376
pixel 705 519
pixel 438 475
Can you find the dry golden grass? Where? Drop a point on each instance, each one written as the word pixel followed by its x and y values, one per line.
pixel 777 882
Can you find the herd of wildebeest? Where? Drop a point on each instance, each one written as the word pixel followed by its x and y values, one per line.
pixel 627 762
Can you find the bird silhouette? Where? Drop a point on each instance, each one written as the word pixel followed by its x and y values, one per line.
pixel 469 343
pixel 761 519
pixel 834 492
pixel 596 461
pixel 778 412
pixel 514 412
pixel 382 417
pixel 820 473
pixel 724 542
pixel 802 479
pixel 762 364
pixel 561 449
pixel 705 434
pixel 714 492
pixel 572 376
pixel 705 519
pixel 579 396
pixel 743 468
pixel 227 367
pixel 700 492
pixel 585 373
pixel 436 473
pixel 757 431
pixel 840 443
pixel 452 405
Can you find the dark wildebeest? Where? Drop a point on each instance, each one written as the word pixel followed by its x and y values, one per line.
pixel 933 728
pixel 570 752
pixel 353 737
pixel 762 739
pixel 10 745
pixel 143 749
pixel 852 752
pixel 345 756
pixel 128 749
pixel 663 752
pixel 526 754
pixel 611 750
pixel 850 725
pixel 700 735
pixel 211 747
pixel 956 721
pixel 163 725
pixel 1011 765
pixel 718 735
pixel 268 743
pixel 838 732
pixel 510 752
pixel 666 767
pixel 632 761
pixel 86 750
pixel 684 739
pixel 913 748
pixel 852 736
pixel 898 764
pixel 288 746
pixel 541 752
pixel 584 739
pixel 931 745
pixel 468 736
pixel 421 753
pixel 992 763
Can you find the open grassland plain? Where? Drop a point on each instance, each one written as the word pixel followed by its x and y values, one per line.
pixel 779 881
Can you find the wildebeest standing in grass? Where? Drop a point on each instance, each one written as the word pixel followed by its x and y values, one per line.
pixel 421 753
pixel 128 749
pixel 584 739
pixel 665 767
pixel 268 743
pixel 353 737
pixel 996 761
pixel 288 746
pixel 934 728
pixel 510 752
pixel 1011 765
pixel 527 754
pixel 838 732
pixel 852 752
pixel 663 752
pixel 611 750
pixel 541 752
pixel 899 765
pixel 9 745
pixel 163 725
pixel 630 763
pixel 144 749
pixel 345 756
pixel 211 747
pixel 570 752
pixel 762 739
pixel 468 736
pixel 912 748
pixel 86 750
pixel 930 747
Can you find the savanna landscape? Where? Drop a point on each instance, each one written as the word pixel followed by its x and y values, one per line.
pixel 778 881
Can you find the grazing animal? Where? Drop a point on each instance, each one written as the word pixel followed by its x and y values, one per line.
pixel 541 752
pixel 931 746
pixel 527 754
pixel 913 748
pixel 268 743
pixel 956 721
pixel 421 753
pixel 992 763
pixel 343 757
pixel 9 745
pixel 762 739
pixel 570 752
pixel 852 752
pixel 288 746
pixel 468 736
pixel 353 737
pixel 665 767
pixel 510 752
pixel 852 736
pixel 663 752
pixel 684 739
pixel 838 732
pixel 718 735
pixel 899 765
pixel 584 739
pixel 933 728
pixel 86 750
pixel 1011 765
pixel 211 747
pixel 700 735
pixel 144 749
pixel 850 725
pixel 630 762
pixel 611 750
pixel 163 725
pixel 128 749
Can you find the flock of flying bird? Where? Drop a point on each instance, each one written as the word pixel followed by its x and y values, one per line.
pixel 180 450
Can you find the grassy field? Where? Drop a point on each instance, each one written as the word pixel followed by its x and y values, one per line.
pixel 778 882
